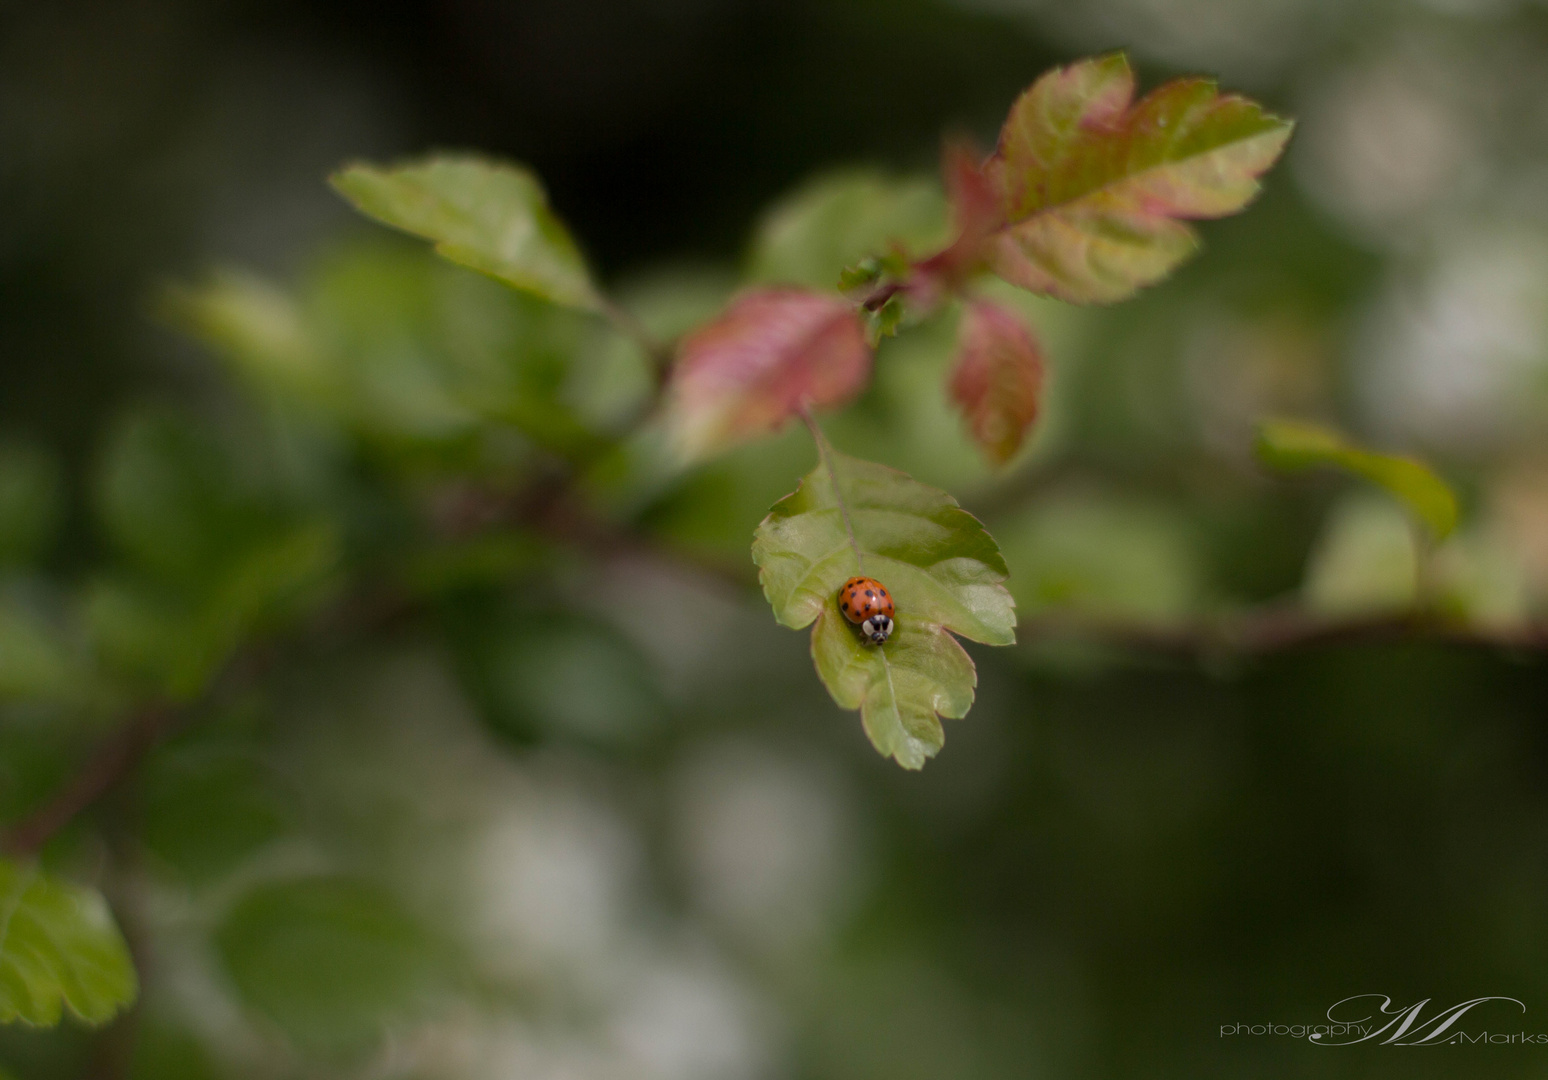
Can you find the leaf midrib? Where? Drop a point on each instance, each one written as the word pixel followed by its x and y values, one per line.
pixel 892 695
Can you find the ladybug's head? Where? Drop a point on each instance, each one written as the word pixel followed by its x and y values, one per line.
pixel 878 628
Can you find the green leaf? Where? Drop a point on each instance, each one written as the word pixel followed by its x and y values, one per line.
pixel 258 327
pixel 1094 188
pixel 884 321
pixel 1365 560
pixel 400 347
pixel 171 500
pixel 206 805
pixel 541 675
pixel 153 639
pixel 167 1053
pixel 328 960
pixel 1103 555
pixel 944 571
pixel 177 641
pixel 1291 445
pixel 36 664
pixel 59 949
pixel 30 501
pixel 833 222
pixel 490 216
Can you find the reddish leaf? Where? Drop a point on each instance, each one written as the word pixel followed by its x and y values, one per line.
pixel 771 352
pixel 975 207
pixel 1092 186
pixel 998 378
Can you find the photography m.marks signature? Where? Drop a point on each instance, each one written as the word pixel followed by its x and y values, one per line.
pixel 1373 1018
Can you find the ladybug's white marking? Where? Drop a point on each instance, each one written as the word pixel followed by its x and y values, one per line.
pixel 878 628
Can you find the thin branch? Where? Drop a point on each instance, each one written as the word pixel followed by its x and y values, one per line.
pixel 112 762
pixel 825 454
pixel 877 298
pixel 629 325
pixel 1270 631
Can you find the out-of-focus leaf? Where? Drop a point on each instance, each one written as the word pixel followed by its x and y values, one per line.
pixel 176 640
pixel 944 571
pixel 1102 555
pixel 1365 560
pixel 329 960
pixel 206 806
pixel 710 511
pixel 400 347
pixel 151 638
pixel 282 575
pixel 772 352
pixel 1094 187
pixel 997 379
pixel 59 949
pixel 36 664
pixel 30 501
pixel 170 501
pixel 259 328
pixel 490 216
pixel 834 221
pixel 428 353
pixel 494 559
pixel 1480 577
pixel 165 1053
pixel 539 675
pixel 1290 445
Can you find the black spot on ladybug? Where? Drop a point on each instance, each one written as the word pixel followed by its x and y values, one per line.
pixel 868 592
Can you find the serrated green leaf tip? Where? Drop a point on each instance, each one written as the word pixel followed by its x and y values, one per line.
pixel 59 951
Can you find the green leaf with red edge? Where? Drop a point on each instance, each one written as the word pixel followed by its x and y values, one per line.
pixel 1291 445
pixel 1095 189
pixel 997 378
pixel 942 567
pixel 490 216
pixel 769 354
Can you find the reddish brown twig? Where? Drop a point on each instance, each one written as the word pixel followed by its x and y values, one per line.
pixel 113 760
pixel 1268 631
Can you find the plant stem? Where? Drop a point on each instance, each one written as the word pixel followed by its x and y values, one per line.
pixel 114 760
pixel 625 322
pixel 825 455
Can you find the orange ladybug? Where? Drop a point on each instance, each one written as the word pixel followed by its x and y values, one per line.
pixel 867 602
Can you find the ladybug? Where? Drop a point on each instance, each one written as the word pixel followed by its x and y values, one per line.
pixel 867 602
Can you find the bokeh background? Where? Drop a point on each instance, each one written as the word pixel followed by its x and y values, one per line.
pixel 605 823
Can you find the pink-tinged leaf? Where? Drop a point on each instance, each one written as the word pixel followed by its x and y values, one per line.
pixel 997 380
pixel 975 202
pixel 976 215
pixel 1095 188
pixel 772 352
